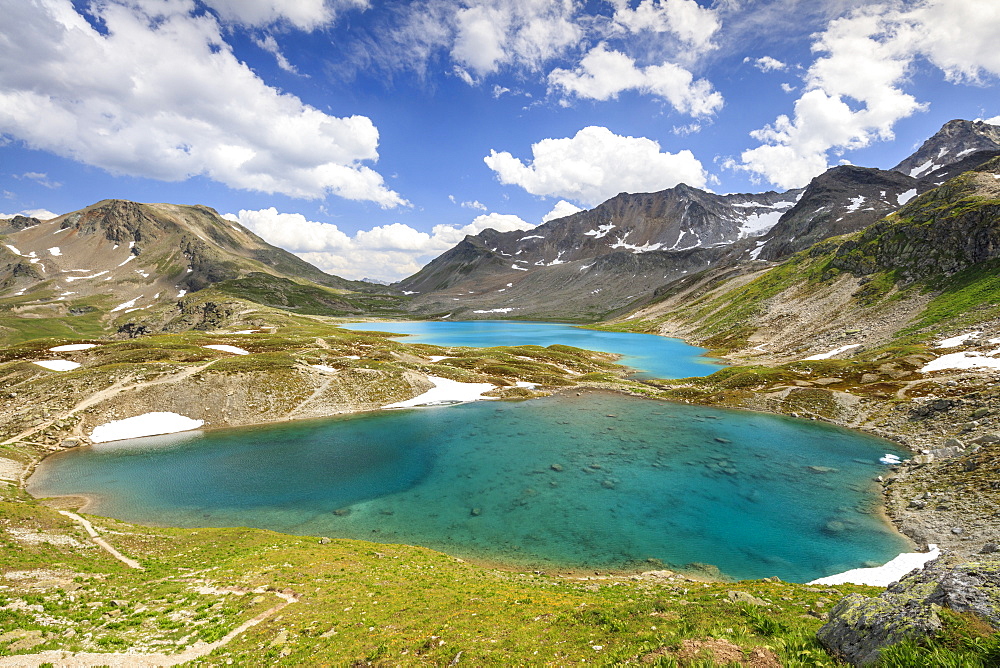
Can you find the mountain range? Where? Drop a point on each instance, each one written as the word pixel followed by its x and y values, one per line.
pixel 614 258
pixel 139 268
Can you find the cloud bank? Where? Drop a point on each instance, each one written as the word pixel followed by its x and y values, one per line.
pixel 595 165
pixel 386 252
pixel 158 93
pixel 853 93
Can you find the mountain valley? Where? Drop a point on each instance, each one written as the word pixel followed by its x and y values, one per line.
pixel 869 299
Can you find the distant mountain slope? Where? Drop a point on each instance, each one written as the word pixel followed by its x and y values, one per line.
pixel 601 263
pixel 592 263
pixel 929 269
pixel 118 257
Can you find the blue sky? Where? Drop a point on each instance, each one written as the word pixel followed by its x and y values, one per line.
pixel 370 136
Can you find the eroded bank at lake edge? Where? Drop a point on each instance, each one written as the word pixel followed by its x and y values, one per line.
pixel 598 481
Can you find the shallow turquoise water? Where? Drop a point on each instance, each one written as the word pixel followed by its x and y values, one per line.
pixel 653 356
pixel 598 481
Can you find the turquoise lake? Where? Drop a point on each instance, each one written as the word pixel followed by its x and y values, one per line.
pixel 597 481
pixel 652 356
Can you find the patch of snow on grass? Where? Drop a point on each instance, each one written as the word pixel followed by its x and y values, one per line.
pixel 181 293
pixel 127 260
pixel 514 266
pixel 410 292
pixel 227 349
pixel 525 384
pixel 956 341
pixel 835 351
pixel 55 251
pixel 73 346
pixel 323 367
pixel 969 360
pixel 438 358
pixel 884 575
pixel 14 250
pixel 148 424
pixel 129 303
pixel 58 365
pixel 903 198
pixel 447 391
pixel 496 310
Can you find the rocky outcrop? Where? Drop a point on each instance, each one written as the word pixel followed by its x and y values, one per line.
pixel 860 627
pixel 17 223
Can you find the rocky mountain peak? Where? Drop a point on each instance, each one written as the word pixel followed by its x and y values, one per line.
pixel 955 140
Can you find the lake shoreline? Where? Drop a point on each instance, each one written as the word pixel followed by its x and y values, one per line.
pixel 574 396
pixel 884 511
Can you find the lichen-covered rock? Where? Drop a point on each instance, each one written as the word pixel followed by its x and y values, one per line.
pixel 861 626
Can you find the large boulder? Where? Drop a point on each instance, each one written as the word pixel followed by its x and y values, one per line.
pixel 861 626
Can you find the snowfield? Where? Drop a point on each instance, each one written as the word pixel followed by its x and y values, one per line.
pixel 967 360
pixel 447 391
pixel 227 349
pixel 58 365
pixel 69 347
pixel 835 351
pixel 148 424
pixel 884 575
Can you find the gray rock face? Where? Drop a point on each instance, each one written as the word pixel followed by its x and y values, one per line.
pixel 952 142
pixel 861 626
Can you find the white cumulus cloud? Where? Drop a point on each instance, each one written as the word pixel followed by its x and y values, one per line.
pixel 597 164
pixel 604 74
pixel 159 94
pixel 686 19
pixel 386 252
pixel 855 93
pixel 491 33
pixel 561 210
pixel 767 64
pixel 301 14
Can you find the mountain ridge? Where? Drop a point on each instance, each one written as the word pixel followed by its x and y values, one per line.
pixel 138 268
pixel 544 273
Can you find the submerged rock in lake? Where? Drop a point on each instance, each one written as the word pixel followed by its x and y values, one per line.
pixel 860 627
